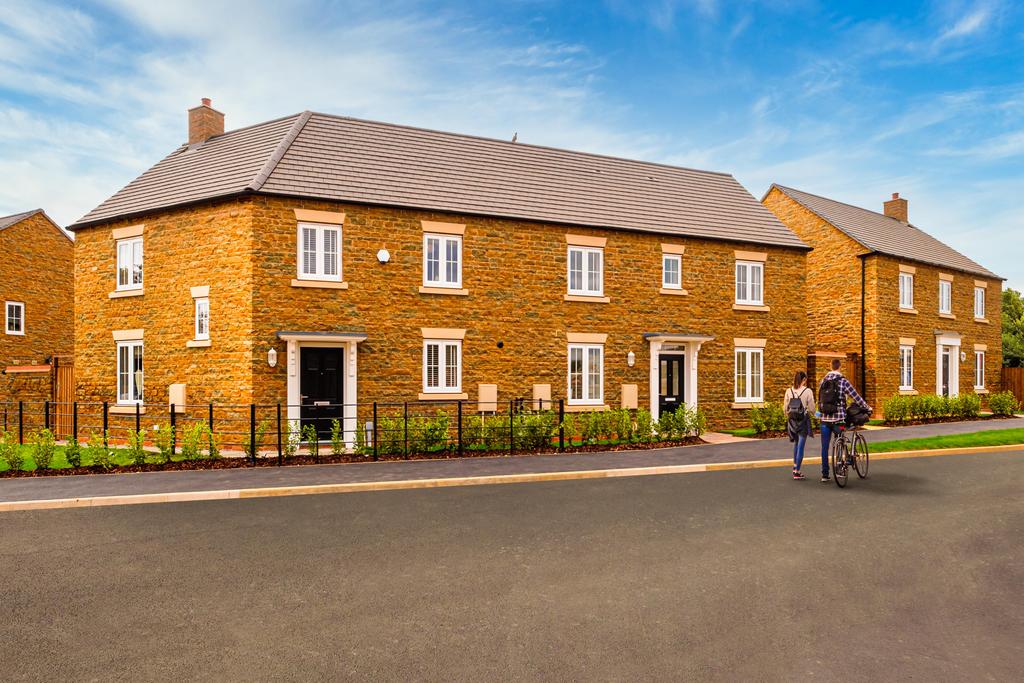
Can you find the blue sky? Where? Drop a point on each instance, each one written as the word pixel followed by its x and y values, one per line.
pixel 850 100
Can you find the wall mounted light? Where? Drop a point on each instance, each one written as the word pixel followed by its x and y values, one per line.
pixel 272 357
pixel 630 359
pixel 383 256
pixel 963 356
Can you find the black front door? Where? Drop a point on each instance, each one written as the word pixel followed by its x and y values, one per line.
pixel 670 381
pixel 320 386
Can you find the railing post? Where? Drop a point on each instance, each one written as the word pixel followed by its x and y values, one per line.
pixel 280 449
pixel 138 419
pixel 46 414
pixel 21 422
pixel 74 421
pixel 374 430
pixel 561 425
pixel 460 428
pixel 210 420
pixel 174 430
pixel 5 416
pixel 405 426
pixel 106 423
pixel 511 429
pixel 252 433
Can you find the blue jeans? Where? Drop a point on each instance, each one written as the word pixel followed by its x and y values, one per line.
pixel 827 428
pixel 798 451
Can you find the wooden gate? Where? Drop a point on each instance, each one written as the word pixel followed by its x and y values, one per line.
pixel 1013 380
pixel 63 395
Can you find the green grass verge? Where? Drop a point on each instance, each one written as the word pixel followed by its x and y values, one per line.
pixel 993 437
pixel 746 432
pixel 119 456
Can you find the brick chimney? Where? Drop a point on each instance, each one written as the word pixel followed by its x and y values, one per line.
pixel 204 122
pixel 896 208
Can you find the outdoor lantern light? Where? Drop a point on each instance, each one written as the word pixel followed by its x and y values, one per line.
pixel 272 357
pixel 383 256
pixel 630 359
pixel 963 356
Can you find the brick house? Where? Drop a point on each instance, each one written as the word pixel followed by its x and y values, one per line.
pixel 378 262
pixel 923 317
pixel 36 287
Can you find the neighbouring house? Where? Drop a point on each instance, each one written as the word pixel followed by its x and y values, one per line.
pixel 316 260
pixel 912 314
pixel 36 288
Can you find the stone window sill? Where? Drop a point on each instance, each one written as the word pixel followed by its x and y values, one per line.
pixel 122 293
pixel 319 284
pixel 747 405
pixel 585 407
pixel 908 392
pixel 909 311
pixel 980 390
pixel 444 397
pixel 676 292
pixel 751 308
pixel 197 343
pixel 947 316
pixel 450 291
pixel 983 321
pixel 587 299
pixel 126 410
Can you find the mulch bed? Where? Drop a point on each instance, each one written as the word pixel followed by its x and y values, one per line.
pixel 228 463
pixel 768 435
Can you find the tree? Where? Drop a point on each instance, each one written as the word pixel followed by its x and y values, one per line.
pixel 1013 328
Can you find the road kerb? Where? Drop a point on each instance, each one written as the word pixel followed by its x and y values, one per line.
pixel 406 484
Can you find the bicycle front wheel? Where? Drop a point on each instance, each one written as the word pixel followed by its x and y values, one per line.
pixel 860 456
pixel 840 450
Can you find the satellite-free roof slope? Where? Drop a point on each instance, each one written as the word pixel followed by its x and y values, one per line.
pixel 15 218
pixel 880 233
pixel 344 159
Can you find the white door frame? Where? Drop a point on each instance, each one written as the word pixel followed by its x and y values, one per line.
pixel 952 340
pixel 691 347
pixel 348 341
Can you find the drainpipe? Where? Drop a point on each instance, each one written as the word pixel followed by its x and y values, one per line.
pixel 863 321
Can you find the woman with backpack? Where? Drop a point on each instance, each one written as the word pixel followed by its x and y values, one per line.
pixel 799 406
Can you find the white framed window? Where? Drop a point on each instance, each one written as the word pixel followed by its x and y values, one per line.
pixel 906 290
pixel 129 263
pixel 319 252
pixel 979 302
pixel 945 296
pixel 129 372
pixel 979 369
pixel 15 313
pixel 750 283
pixel 442 366
pixel 586 374
pixel 586 271
pixel 202 318
pixel 442 260
pixel 749 375
pixel 671 271
pixel 906 368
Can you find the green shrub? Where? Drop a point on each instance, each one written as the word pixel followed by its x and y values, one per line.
pixel 1003 404
pixel 768 418
pixel 534 431
pixel 592 427
pixel 897 409
pixel 193 439
pixel 136 451
pixel 622 424
pixel 337 438
pixel 698 423
pixel 44 447
pixel 570 428
pixel 486 432
pixel 966 406
pixel 73 453
pixel 10 451
pixel 163 439
pixel 292 439
pixel 644 430
pixel 97 451
pixel 312 439
pixel 252 450
pixel 429 434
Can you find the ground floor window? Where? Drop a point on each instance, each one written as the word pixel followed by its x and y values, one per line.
pixel 586 374
pixel 442 366
pixel 749 375
pixel 979 369
pixel 129 372
pixel 906 367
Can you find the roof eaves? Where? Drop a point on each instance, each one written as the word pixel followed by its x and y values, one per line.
pixel 783 189
pixel 74 227
pixel 279 152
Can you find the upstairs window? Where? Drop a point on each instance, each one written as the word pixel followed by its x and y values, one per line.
pixel 442 366
pixel 750 283
pixel 202 318
pixel 586 271
pixel 906 290
pixel 442 260
pixel 129 263
pixel 945 297
pixel 671 271
pixel 979 302
pixel 906 368
pixel 749 375
pixel 319 256
pixel 129 372
pixel 15 318
pixel 586 374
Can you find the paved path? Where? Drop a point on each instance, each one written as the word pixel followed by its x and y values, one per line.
pixel 45 488
pixel 733 576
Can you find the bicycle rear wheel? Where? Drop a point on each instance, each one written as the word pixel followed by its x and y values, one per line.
pixel 840 450
pixel 860 455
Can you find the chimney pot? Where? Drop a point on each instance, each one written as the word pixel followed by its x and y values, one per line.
pixel 896 208
pixel 895 195
pixel 204 122
pixel 206 103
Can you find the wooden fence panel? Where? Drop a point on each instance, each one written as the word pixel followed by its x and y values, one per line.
pixel 1013 380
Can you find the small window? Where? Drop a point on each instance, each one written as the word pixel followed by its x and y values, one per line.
pixel 906 368
pixel 442 366
pixel 906 290
pixel 979 369
pixel 586 374
pixel 15 317
pixel 749 374
pixel 945 297
pixel 979 302
pixel 129 263
pixel 319 256
pixel 129 372
pixel 202 318
pixel 750 283
pixel 442 260
pixel 672 271
pixel 586 271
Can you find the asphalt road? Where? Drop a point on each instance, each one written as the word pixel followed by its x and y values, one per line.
pixel 742 575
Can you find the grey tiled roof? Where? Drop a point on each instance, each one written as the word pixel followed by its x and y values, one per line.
pixel 880 233
pixel 8 221
pixel 344 159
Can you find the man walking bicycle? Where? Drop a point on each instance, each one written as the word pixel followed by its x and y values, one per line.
pixel 833 394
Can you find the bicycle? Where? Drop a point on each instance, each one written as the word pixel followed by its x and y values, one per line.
pixel 848 450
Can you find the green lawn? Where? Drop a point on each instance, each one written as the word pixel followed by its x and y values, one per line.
pixel 745 432
pixel 992 437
